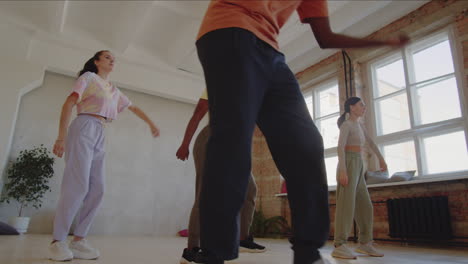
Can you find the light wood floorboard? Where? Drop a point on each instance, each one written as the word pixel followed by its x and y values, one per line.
pixel 32 249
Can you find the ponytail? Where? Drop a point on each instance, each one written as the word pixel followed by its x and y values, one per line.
pixel 341 119
pixel 89 65
pixel 347 107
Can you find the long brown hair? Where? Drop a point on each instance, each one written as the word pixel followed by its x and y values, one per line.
pixel 89 66
pixel 347 107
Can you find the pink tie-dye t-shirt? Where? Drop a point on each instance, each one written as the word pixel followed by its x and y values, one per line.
pixel 98 96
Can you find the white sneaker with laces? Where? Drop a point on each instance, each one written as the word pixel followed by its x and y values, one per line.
pixel 369 249
pixel 343 252
pixel 83 250
pixel 59 251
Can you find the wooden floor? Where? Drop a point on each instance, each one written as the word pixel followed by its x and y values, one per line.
pixel 32 249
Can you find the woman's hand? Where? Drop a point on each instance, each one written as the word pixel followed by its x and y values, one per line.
pixel 138 112
pixel 59 147
pixel 154 130
pixel 182 152
pixel 343 178
pixel 383 165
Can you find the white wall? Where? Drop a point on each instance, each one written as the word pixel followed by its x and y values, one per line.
pixel 149 191
pixel 151 183
pixel 17 77
pixel 26 52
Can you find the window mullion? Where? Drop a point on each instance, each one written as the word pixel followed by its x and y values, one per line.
pixel 306 96
pixel 434 80
pixel 375 105
pixel 376 128
pixel 337 114
pixel 409 77
pixel 330 152
pixel 415 118
pixel 408 66
pixel 316 105
pixel 420 155
pixel 387 96
pixel 429 128
pixel 459 77
pixel 418 132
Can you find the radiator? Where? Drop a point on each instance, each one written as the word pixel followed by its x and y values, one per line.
pixel 419 217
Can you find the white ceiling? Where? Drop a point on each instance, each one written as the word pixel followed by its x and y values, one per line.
pixel 162 33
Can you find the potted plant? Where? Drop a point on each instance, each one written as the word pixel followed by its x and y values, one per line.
pixel 273 227
pixel 27 181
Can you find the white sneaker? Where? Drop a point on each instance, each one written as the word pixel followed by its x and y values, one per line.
pixel 59 251
pixel 343 252
pixel 83 250
pixel 369 249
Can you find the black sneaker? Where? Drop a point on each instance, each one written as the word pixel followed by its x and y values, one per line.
pixel 189 255
pixel 248 245
pixel 205 257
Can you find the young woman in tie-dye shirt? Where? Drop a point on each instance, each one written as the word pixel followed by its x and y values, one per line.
pixel 98 101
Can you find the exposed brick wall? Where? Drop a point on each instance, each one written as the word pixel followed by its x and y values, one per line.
pixel 266 176
pixel 462 34
pixel 457 192
pixel 420 22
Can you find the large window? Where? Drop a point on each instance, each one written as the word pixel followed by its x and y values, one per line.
pixel 324 107
pixel 417 108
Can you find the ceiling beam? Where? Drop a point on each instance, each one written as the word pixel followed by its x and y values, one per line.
pixel 187 8
pixel 346 16
pixel 129 28
pixel 372 23
pixel 59 17
pixel 293 29
pixel 185 44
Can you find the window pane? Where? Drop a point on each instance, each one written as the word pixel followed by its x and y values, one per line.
pixel 393 114
pixel 438 102
pixel 330 131
pixel 400 157
pixel 390 78
pixel 433 61
pixel 329 101
pixel 310 104
pixel 331 164
pixel 446 153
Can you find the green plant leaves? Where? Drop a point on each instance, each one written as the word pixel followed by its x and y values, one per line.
pixel 276 226
pixel 28 177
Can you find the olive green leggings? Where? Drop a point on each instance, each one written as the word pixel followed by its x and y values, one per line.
pixel 353 202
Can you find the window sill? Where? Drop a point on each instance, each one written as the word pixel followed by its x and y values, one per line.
pixel 461 176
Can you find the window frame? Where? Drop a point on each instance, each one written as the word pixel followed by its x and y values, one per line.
pixel 418 131
pixel 313 88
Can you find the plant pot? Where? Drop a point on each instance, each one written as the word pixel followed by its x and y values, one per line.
pixel 20 224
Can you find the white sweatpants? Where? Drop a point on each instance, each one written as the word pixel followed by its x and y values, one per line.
pixel 83 179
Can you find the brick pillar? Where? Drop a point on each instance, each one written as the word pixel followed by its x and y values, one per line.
pixel 266 175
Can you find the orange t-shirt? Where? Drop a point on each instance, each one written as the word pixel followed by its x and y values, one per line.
pixel 264 18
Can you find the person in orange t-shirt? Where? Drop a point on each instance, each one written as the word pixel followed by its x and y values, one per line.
pixel 249 84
